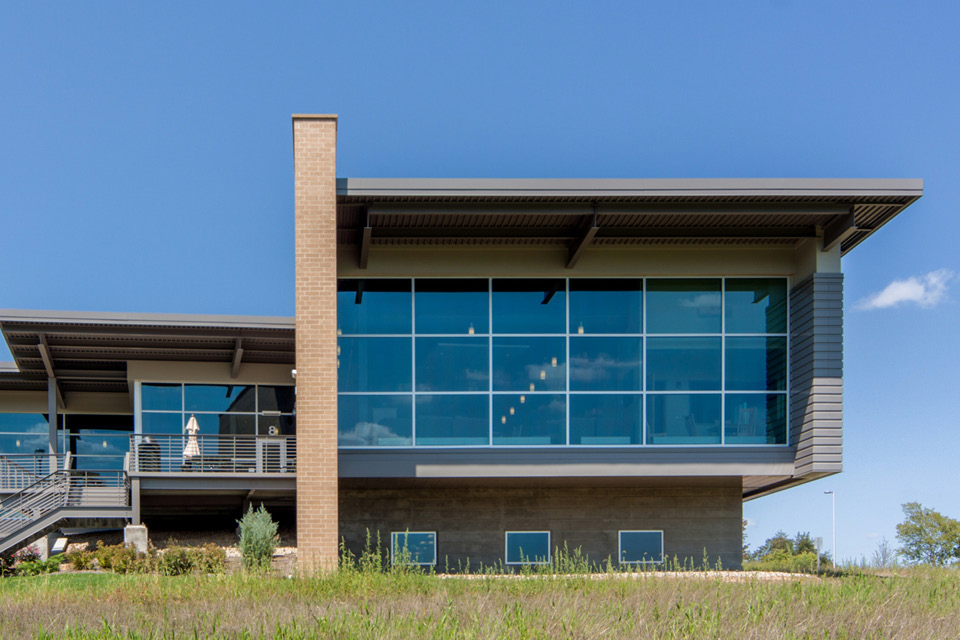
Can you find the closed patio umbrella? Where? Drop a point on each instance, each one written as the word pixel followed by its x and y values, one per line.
pixel 193 447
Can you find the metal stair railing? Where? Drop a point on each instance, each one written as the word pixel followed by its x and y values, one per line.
pixel 19 470
pixel 62 489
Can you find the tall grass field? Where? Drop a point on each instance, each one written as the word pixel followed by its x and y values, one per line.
pixel 355 604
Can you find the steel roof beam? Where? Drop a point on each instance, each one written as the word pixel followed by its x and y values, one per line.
pixel 366 234
pixel 47 358
pixel 839 229
pixel 237 358
pixel 589 229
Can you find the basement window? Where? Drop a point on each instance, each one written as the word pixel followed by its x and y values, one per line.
pixel 413 548
pixel 527 547
pixel 641 547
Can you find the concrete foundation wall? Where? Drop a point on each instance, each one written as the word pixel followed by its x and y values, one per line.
pixel 470 522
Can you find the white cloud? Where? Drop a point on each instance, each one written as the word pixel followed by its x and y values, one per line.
pixel 925 291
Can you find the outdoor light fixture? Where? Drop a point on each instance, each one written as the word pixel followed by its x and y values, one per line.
pixel 523 399
pixel 543 375
pixel 511 410
pixel 553 361
pixel 532 386
pixel 503 419
pixel 580 329
pixel 470 330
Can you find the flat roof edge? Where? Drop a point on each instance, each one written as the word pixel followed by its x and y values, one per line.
pixel 639 187
pixel 156 319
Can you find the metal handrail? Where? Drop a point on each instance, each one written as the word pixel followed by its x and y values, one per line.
pixel 231 454
pixel 20 470
pixel 63 488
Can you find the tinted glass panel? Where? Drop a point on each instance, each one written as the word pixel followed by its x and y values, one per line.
pixel 529 364
pixel 641 546
pixel 682 418
pixel 23 423
pixel 683 306
pixel 453 420
pixel 374 364
pixel 162 397
pixel 169 423
pixel 208 397
pixel 529 306
pixel 277 425
pixel 226 424
pixel 414 548
pixel 606 419
pixel 606 364
pixel 21 443
pixel 453 364
pixel 528 547
pixel 282 399
pixel 374 306
pixel 756 364
pixel 452 306
pixel 756 418
pixel 756 305
pixel 529 419
pixel 606 306
pixel 683 364
pixel 99 449
pixel 375 421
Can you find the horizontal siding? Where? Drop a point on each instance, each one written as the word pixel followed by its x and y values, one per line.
pixel 816 373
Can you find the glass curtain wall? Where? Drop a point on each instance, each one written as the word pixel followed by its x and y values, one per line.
pixel 542 362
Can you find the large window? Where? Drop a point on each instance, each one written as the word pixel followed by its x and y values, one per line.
pixel 527 547
pixel 413 548
pixel 640 547
pixel 220 409
pixel 562 362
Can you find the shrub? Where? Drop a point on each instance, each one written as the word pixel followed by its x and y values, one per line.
pixel 29 553
pixel 6 564
pixel 258 538
pixel 175 561
pixel 122 559
pixel 210 559
pixel 81 560
pixel 38 567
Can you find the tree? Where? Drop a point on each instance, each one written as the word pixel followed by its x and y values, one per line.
pixel 884 556
pixel 803 543
pixel 779 542
pixel 927 536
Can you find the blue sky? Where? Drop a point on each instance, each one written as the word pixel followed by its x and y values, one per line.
pixel 146 163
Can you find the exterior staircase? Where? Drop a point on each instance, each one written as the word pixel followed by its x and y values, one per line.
pixel 64 498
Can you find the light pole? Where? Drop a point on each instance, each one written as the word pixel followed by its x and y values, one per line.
pixel 833 499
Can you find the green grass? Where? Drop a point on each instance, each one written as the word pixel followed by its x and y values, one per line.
pixel 914 604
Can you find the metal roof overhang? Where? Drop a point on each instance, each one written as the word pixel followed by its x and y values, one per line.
pixel 90 351
pixel 596 213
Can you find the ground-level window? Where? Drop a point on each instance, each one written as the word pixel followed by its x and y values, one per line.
pixel 413 547
pixel 641 547
pixel 527 547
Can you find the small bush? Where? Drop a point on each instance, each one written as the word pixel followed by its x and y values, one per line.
pixel 122 559
pixel 81 560
pixel 38 567
pixel 175 561
pixel 29 553
pixel 6 564
pixel 210 559
pixel 258 538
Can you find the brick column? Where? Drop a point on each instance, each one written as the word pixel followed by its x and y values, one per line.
pixel 315 170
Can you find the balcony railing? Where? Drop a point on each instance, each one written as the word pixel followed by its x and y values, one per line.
pixel 230 454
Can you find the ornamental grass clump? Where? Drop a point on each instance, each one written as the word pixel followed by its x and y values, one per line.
pixel 258 538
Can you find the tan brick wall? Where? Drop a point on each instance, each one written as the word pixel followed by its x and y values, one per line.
pixel 315 166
